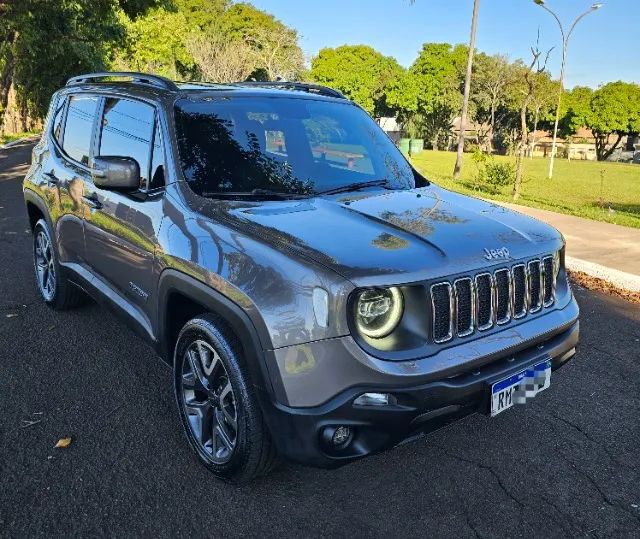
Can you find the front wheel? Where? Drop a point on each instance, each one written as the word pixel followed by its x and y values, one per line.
pixel 217 403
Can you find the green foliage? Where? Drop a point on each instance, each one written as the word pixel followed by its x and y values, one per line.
pixel 614 110
pixel 439 72
pixel 437 75
pixel 492 174
pixel 576 105
pixel 156 43
pixel 360 72
pixel 44 42
pixel 161 41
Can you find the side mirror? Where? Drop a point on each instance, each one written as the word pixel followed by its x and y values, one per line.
pixel 114 172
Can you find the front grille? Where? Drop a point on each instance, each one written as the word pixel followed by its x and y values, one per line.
pixel 441 303
pixel 480 302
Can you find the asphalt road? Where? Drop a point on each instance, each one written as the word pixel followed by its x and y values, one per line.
pixel 567 464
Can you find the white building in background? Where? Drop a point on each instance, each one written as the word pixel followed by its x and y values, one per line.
pixel 390 126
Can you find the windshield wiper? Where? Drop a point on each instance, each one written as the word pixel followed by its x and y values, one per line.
pixel 353 187
pixel 254 193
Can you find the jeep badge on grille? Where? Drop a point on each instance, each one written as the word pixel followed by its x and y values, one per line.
pixel 496 254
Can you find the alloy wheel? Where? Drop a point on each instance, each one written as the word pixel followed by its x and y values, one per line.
pixel 45 268
pixel 209 402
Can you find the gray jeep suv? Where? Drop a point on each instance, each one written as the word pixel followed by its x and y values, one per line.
pixel 316 297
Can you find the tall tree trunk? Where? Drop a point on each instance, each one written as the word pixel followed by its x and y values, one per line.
pixel 16 117
pixel 492 132
pixel 522 146
pixel 533 135
pixel 602 153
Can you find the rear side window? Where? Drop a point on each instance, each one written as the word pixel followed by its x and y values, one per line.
pixel 57 119
pixel 157 161
pixel 79 127
pixel 127 131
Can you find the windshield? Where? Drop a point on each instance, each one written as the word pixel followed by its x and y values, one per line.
pixel 283 145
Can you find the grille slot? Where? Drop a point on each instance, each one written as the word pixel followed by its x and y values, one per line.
pixel 442 307
pixel 465 306
pixel 484 301
pixel 503 295
pixel 519 274
pixel 548 281
pixel 535 286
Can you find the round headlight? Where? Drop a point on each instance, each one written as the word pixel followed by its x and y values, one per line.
pixel 378 311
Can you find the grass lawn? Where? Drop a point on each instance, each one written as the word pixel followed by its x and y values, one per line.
pixel 575 188
pixel 5 139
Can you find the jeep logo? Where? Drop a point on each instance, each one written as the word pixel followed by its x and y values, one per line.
pixel 496 254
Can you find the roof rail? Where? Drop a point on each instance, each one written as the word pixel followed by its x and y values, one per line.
pixel 300 86
pixel 137 78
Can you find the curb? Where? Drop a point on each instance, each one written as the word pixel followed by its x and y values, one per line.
pixel 617 278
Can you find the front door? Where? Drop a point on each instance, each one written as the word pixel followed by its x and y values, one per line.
pixel 66 172
pixel 121 228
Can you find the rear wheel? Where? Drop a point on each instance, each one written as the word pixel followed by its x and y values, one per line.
pixel 217 403
pixel 54 288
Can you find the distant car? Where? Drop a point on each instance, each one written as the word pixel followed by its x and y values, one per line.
pixel 316 297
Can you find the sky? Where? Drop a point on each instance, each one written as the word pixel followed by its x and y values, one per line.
pixel 604 47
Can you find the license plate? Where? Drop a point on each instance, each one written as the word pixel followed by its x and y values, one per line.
pixel 520 387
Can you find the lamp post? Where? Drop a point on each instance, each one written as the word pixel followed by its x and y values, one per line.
pixel 565 42
pixel 467 88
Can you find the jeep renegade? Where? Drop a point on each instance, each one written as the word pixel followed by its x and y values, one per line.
pixel 316 297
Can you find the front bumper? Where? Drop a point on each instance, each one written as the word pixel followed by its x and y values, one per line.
pixel 298 431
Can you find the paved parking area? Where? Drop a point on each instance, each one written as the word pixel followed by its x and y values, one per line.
pixel 567 464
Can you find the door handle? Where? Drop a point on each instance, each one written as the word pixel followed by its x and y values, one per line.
pixel 50 177
pixel 92 201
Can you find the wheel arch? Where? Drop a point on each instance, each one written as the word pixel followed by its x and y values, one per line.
pixel 182 297
pixel 36 209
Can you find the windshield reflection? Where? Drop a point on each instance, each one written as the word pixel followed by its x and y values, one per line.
pixel 283 145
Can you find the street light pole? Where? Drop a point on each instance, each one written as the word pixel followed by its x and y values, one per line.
pixel 565 43
pixel 467 88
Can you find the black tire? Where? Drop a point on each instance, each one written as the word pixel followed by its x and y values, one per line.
pixel 55 289
pixel 208 363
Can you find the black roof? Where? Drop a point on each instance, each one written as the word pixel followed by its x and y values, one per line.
pixel 156 82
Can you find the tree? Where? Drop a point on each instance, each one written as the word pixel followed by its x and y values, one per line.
pixel 220 59
pixel 360 72
pixel 276 52
pixel 542 101
pixel 439 75
pixel 195 38
pixel 576 105
pixel 614 111
pixel 273 44
pixel 531 76
pixel 157 43
pixel 44 42
pixel 492 75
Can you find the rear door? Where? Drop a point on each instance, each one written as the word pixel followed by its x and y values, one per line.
pixel 120 227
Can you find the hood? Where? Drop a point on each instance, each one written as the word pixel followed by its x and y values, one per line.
pixel 384 237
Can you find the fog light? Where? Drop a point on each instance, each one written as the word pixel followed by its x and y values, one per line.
pixel 374 399
pixel 341 435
